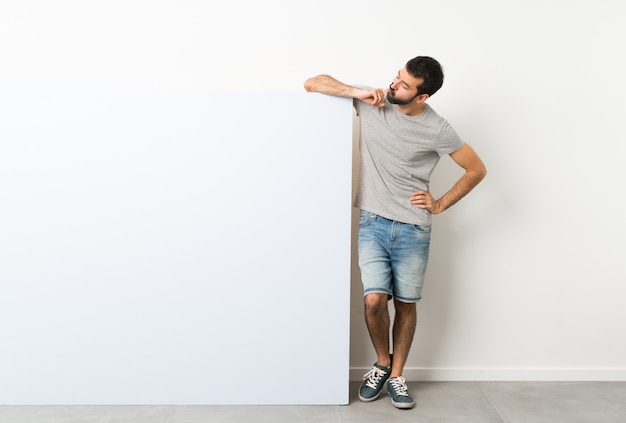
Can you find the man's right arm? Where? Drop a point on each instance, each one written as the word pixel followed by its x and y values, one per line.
pixel 328 85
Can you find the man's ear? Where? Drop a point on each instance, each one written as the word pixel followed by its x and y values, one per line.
pixel 422 98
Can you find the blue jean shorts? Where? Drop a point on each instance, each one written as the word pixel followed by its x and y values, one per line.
pixel 393 257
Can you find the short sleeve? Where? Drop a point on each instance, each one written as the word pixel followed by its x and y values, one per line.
pixel 448 141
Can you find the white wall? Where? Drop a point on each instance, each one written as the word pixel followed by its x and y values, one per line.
pixel 526 279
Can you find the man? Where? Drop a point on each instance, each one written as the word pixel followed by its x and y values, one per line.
pixel 402 140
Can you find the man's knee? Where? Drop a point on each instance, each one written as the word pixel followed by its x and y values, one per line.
pixel 404 308
pixel 375 302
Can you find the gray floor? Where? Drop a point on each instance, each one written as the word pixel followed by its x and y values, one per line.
pixel 535 402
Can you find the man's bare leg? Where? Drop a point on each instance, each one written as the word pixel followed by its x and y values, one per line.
pixel 403 332
pixel 377 320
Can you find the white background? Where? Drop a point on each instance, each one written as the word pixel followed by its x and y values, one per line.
pixel 526 278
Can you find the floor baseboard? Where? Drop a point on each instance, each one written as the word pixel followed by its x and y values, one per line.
pixel 420 374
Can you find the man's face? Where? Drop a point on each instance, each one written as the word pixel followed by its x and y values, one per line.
pixel 404 88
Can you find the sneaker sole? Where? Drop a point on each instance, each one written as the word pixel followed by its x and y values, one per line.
pixel 370 399
pixel 403 405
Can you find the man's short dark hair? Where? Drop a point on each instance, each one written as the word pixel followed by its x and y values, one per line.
pixel 430 70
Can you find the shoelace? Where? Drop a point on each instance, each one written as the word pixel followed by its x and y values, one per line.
pixel 373 377
pixel 399 385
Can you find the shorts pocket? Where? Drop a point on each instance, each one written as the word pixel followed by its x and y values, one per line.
pixel 422 228
pixel 366 218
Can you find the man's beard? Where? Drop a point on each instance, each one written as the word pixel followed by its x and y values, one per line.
pixel 394 100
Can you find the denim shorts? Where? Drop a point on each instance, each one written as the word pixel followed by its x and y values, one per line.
pixel 393 257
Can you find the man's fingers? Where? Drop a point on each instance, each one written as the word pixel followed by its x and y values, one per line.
pixel 379 97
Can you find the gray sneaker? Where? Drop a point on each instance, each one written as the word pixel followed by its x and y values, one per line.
pixel 399 393
pixel 373 382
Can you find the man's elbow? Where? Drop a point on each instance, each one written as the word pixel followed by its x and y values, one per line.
pixel 308 85
pixel 476 173
pixel 312 85
pixel 481 172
